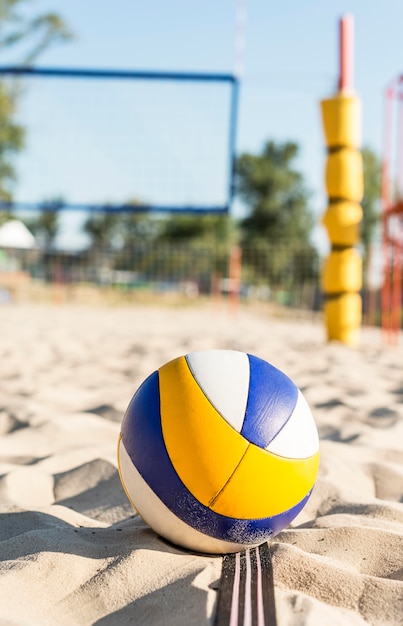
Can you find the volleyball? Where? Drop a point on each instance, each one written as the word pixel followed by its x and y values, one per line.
pixel 218 451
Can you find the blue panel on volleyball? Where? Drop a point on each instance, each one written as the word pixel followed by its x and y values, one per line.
pixel 123 140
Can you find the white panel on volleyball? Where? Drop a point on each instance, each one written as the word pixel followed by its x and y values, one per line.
pixel 298 439
pixel 223 376
pixel 160 518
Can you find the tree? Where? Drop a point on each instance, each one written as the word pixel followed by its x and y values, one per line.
pixel 207 229
pixel 202 244
pixel 27 38
pixel 370 203
pixel 101 228
pixel 11 142
pixel 276 232
pixel 108 230
pixel 46 225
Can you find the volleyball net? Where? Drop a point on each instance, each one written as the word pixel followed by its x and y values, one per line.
pixel 96 141
pixel 122 140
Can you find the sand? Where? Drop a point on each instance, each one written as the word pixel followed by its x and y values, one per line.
pixel 72 549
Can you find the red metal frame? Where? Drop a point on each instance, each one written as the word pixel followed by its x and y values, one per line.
pixel 392 212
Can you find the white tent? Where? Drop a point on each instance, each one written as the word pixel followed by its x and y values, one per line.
pixel 14 234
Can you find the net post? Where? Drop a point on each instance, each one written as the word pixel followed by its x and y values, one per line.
pixel 233 125
pixel 235 268
pixel 346 51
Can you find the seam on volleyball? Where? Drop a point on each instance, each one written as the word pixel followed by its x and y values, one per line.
pixel 211 401
pixel 219 492
pixel 204 393
pixel 283 426
pixel 280 456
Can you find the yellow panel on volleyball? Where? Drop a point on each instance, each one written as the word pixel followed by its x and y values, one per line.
pixel 254 490
pixel 203 447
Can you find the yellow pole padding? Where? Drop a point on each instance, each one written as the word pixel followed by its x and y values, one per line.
pixel 344 177
pixel 343 318
pixel 341 117
pixel 342 221
pixel 342 272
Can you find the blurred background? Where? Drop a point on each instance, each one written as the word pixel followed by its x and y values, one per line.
pixel 178 151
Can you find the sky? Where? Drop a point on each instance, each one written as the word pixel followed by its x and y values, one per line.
pixel 287 51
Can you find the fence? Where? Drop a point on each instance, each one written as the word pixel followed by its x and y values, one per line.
pixel 281 277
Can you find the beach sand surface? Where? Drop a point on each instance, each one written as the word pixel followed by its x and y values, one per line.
pixel 73 550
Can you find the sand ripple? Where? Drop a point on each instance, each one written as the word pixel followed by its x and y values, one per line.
pixel 72 549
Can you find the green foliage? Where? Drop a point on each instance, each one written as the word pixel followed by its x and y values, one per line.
pixel 101 229
pixel 204 240
pixel 4 216
pixel 138 228
pixel 28 37
pixel 275 236
pixel 370 202
pixel 120 230
pixel 32 35
pixel 45 226
pixel 11 142
pixel 162 247
pixel 134 229
pixel 275 194
pixel 206 229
